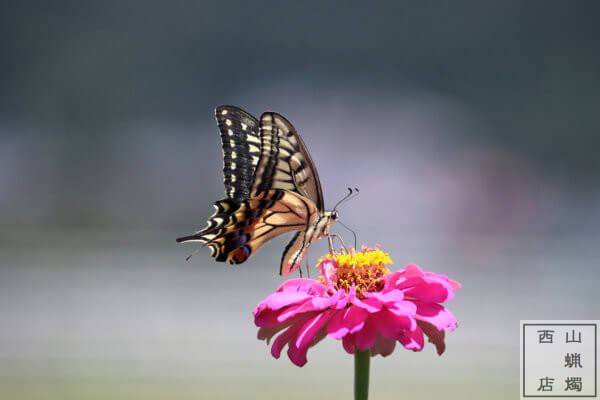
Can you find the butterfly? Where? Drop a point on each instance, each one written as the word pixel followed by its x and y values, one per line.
pixel 272 187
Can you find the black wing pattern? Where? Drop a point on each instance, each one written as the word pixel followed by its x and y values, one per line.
pixel 285 162
pixel 241 150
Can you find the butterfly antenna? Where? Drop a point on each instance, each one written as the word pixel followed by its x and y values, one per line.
pixel 343 198
pixel 351 194
pixel 355 194
pixel 353 233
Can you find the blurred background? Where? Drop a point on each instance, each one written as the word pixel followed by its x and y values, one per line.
pixel 470 127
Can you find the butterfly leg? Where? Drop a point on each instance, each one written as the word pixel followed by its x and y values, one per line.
pixel 331 249
pixel 307 268
pixel 330 238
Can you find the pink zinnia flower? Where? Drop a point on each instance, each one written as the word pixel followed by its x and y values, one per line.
pixel 360 301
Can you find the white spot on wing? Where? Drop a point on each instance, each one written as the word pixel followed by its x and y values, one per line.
pixel 295 161
pixel 233 165
pixel 194 240
pixel 252 138
pixel 283 165
pixel 224 112
pixel 244 126
pixel 228 122
pixel 233 179
pixel 229 132
pixel 233 155
pixel 218 220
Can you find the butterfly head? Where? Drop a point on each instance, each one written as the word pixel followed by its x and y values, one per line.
pixel 328 218
pixel 333 216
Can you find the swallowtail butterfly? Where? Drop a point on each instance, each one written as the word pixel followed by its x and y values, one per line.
pixel 272 187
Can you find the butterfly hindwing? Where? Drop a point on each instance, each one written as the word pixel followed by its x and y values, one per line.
pixel 241 150
pixel 285 162
pixel 224 209
pixel 235 233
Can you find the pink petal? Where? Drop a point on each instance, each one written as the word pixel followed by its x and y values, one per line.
pixel 329 270
pixel 435 336
pixel 434 292
pixel 313 304
pixel 278 300
pixel 285 338
pixel 267 332
pixel 309 286
pixel 345 298
pixel 383 346
pixel 297 355
pixel 392 279
pixel 388 296
pixel 391 325
pixel 346 321
pixel 303 334
pixel 371 304
pixel 435 314
pixel 365 338
pixel 417 336
pixel 348 343
pixel 455 284
pixel 450 285
pixel 322 334
pixel 342 298
pixel 412 270
pixel 407 283
pixel 321 303
pixel 311 328
pixel 305 307
pixel 413 340
pixel 404 307
pixel 266 317
pixel 409 273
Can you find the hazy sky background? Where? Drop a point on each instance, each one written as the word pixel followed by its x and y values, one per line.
pixel 470 127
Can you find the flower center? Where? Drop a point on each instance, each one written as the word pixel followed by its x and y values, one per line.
pixel 363 270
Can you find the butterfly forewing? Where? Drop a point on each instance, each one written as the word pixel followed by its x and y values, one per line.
pixel 241 150
pixel 285 162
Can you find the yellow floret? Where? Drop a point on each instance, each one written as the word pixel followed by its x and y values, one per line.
pixel 369 258
pixel 364 270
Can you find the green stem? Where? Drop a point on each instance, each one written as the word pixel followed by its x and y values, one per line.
pixel 361 374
